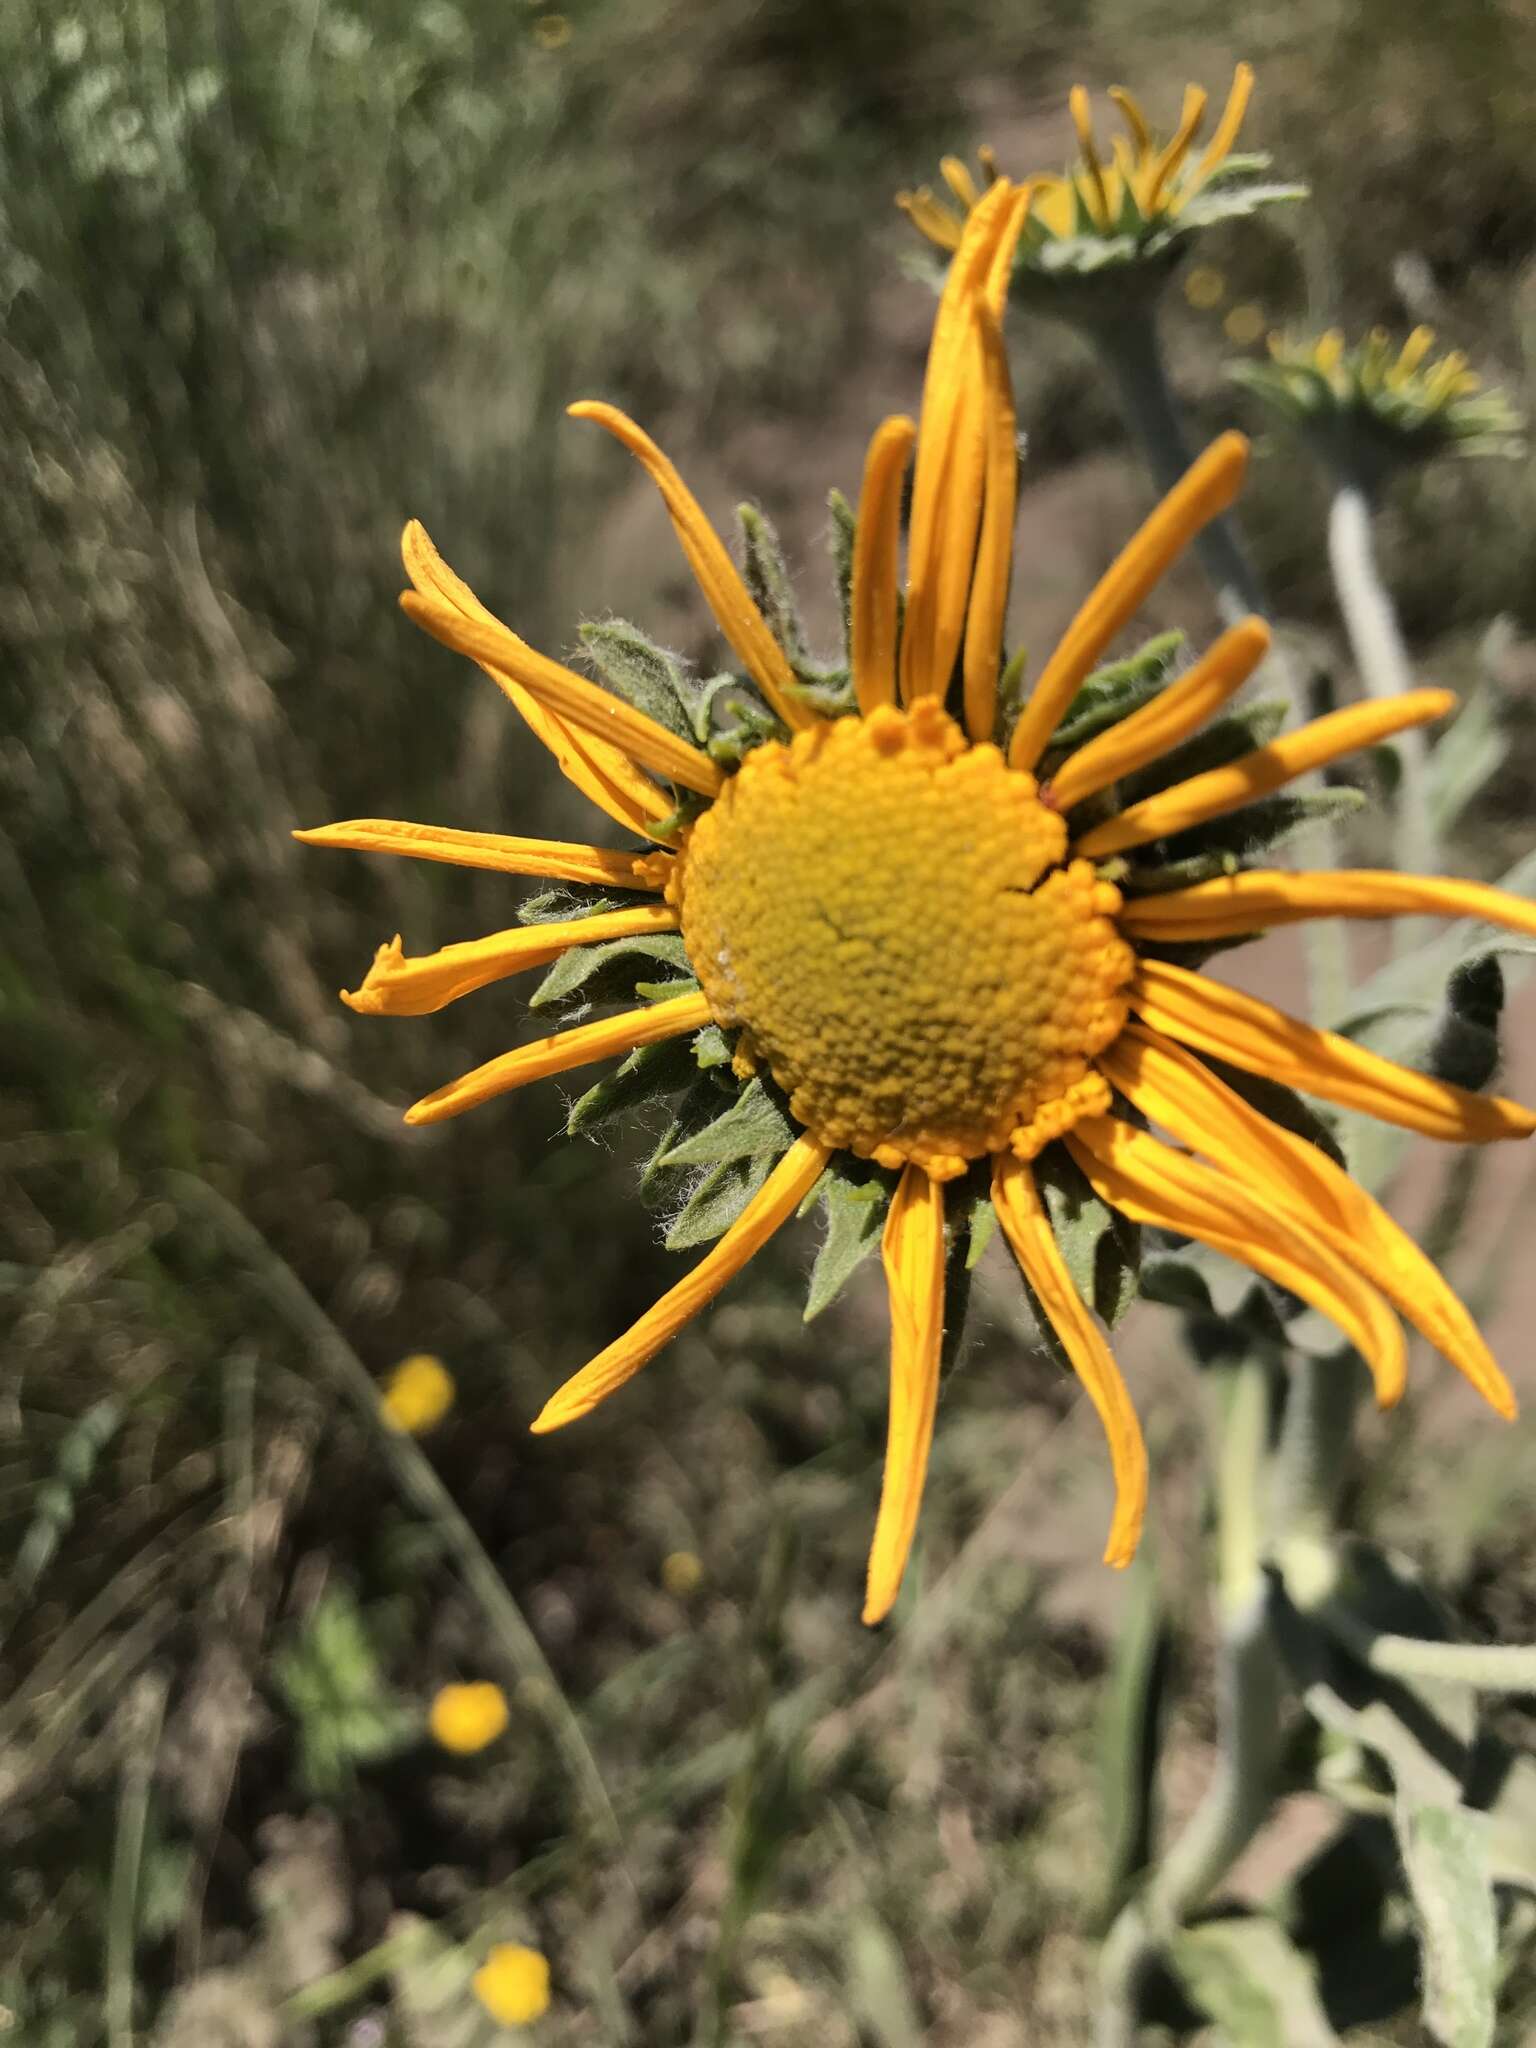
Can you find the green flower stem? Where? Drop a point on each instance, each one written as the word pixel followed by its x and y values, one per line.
pixel 1316 1443
pixel 1131 352
pixel 1376 640
pixel 1252 1687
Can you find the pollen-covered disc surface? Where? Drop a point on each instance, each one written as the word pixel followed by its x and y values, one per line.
pixel 881 908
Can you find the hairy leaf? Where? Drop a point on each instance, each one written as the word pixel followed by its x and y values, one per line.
pixel 598 974
pixel 755 1122
pixel 717 1199
pixel 649 1071
pixel 855 1197
pixel 643 674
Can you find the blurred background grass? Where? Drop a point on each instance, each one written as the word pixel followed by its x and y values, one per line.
pixel 274 277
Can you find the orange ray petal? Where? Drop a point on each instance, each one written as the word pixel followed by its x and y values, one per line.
pixel 1153 1184
pixel 774 1203
pixel 959 180
pixel 988 612
pixel 1177 1090
pixel 1256 1036
pixel 1082 121
pixel 1207 487
pixel 1135 120
pixel 401 987
pixel 1178 147
pixel 1027 1228
pixel 913 1252
pixel 1258 898
pixel 1267 768
pixel 1219 148
pixel 601 771
pixel 716 574
pixel 562 1050
pixel 569 696
pixel 561 860
pixel 877 565
pixel 931 217
pixel 1172 716
pixel 951 459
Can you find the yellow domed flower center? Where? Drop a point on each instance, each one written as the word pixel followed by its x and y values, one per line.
pixel 884 912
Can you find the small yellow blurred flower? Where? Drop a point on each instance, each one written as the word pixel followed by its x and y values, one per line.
pixel 513 1984
pixel 419 1394
pixel 1204 287
pixel 552 31
pixel 682 1573
pixel 1245 325
pixel 465 1718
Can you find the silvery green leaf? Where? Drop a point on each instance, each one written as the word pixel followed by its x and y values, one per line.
pixel 1464 1044
pixel 643 674
pixel 717 1199
pixel 568 901
pixel 855 1197
pixel 754 1123
pixel 1247 1975
pixel 1101 1249
pixel 603 973
pixel 649 1071
pixel 1210 206
pixel 699 1108
pixel 711 1048
pixel 878 1988
pixel 767 577
pixel 1130 1724
pixel 844 527
pixel 1445 1853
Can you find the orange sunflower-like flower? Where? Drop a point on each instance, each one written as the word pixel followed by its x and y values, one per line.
pixel 923 922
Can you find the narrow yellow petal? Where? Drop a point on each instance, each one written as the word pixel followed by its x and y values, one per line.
pixel 1178 148
pixel 401 987
pixel 1414 350
pixel 1167 1190
pixel 1054 206
pixel 1027 1228
pixel 932 218
pixel 559 859
pixel 959 181
pixel 951 458
pixel 1219 148
pixel 777 1200
pixel 1207 487
pixel 877 565
pixel 1259 1038
pixel 571 697
pixel 1267 768
pixel 1092 186
pixel 913 1252
pixel 717 575
pixel 991 574
pixel 1258 898
pixel 1171 717
pixel 601 771
pixel 1134 119
pixel 562 1050
pixel 1175 1089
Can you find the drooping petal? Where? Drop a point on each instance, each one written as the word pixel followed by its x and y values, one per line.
pixel 877 565
pixel 569 696
pixel 1254 1035
pixel 400 987
pixel 1206 488
pixel 1171 717
pixel 775 1201
pixel 562 1050
pixel 1269 768
pixel 1027 1228
pixel 1258 898
pixel 1175 1089
pixel 1219 148
pixel 561 860
pixel 1153 1184
pixel 951 460
pixel 913 1253
pixel 600 770
pixel 716 574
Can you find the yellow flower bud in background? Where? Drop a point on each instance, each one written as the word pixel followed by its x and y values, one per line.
pixel 419 1394
pixel 513 1984
pixel 465 1718
pixel 682 1573
pixel 552 31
